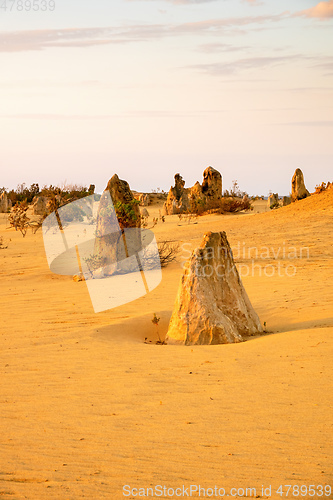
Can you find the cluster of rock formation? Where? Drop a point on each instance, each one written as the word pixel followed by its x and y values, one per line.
pixel 273 200
pixel 181 199
pixel 298 191
pixel 144 199
pixel 212 306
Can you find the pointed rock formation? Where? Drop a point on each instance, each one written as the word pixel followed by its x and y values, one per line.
pixel 114 216
pixel 177 201
pixel 298 189
pixel 212 306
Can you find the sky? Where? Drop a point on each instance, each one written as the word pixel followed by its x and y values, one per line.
pixel 150 88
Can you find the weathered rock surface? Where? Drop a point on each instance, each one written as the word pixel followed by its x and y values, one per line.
pixel 272 200
pixel 144 212
pixel 181 199
pixel 298 189
pixel 286 201
pixel 110 247
pixel 40 207
pixel 144 199
pixel 3 203
pixel 212 306
pixel 177 201
pixel 212 184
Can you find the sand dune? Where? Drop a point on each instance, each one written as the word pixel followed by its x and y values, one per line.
pixel 87 406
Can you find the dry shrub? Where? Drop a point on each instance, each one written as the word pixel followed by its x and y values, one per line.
pixel 234 205
pixel 18 218
pixel 168 252
pixel 2 245
pixel 322 187
pixel 226 205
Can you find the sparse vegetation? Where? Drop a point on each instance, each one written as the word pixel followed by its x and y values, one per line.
pixel 18 218
pixel 94 262
pixel 23 193
pixel 225 205
pixel 234 205
pixel 235 191
pixel 322 187
pixel 155 322
pixel 168 252
pixel 144 222
pixel 2 245
pixel 126 213
pixel 275 205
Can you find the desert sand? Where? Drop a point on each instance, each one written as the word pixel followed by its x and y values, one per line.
pixel 87 407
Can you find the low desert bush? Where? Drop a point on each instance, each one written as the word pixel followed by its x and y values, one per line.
pixel 168 252
pixel 2 245
pixel 227 205
pixel 94 262
pixel 18 218
pixel 322 187
pixel 275 205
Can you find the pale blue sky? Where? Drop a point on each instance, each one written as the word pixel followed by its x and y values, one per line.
pixel 149 88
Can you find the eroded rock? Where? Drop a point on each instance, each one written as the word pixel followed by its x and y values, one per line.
pixel 114 216
pixel 144 212
pixel 298 189
pixel 212 306
pixel 181 199
pixel 4 203
pixel 144 199
pixel 273 200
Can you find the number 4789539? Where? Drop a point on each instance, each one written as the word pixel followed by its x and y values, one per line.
pixel 294 490
pixel 26 5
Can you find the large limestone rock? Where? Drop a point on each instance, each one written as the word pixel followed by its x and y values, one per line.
pixel 112 221
pixel 181 199
pixel 212 184
pixel 212 306
pixel 4 203
pixel 298 189
pixel 273 199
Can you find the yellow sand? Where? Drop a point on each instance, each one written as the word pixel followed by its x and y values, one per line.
pixel 87 407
